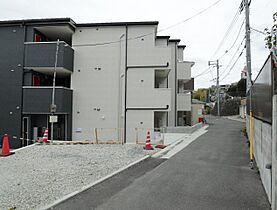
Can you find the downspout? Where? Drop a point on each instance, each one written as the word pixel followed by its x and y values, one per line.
pixel 22 84
pixel 176 86
pixel 126 69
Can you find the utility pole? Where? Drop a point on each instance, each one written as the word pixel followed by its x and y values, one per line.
pixel 53 107
pixel 216 63
pixel 249 75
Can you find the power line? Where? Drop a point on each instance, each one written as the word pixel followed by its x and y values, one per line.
pixel 236 39
pixel 148 34
pixel 195 15
pixel 237 50
pixel 233 65
pixel 234 20
pixel 205 71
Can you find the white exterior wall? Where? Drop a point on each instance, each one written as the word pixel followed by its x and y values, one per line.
pixel 141 91
pixel 184 102
pixel 95 80
pixel 184 70
pixel 143 120
pixel 180 56
pixel 98 81
pixel 143 51
pixel 172 84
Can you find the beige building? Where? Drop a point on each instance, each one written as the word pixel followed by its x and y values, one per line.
pixel 197 108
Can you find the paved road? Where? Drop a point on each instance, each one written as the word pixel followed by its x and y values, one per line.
pixel 211 173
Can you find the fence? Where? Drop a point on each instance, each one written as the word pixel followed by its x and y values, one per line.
pixel 262 92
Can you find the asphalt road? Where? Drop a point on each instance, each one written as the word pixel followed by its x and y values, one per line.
pixel 211 173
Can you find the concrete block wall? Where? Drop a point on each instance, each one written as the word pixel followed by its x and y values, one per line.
pixel 262 150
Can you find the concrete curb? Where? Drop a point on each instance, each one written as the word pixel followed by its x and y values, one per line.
pixel 26 147
pixel 163 152
pixel 50 206
pixel 236 119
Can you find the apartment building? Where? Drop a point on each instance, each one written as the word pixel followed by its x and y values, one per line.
pixel 182 84
pixel 118 77
pixel 27 61
pixel 120 80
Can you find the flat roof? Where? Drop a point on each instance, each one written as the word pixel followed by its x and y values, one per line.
pixel 174 40
pixel 38 21
pixel 117 23
pixel 162 37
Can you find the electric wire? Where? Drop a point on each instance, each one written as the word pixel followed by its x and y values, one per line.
pixel 204 72
pixel 234 20
pixel 148 34
pixel 231 60
pixel 232 67
pixel 233 44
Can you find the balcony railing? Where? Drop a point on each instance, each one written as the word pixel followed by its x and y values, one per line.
pixel 184 102
pixel 40 56
pixel 38 99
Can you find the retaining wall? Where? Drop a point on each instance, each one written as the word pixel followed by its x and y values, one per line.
pixel 262 150
pixel 183 129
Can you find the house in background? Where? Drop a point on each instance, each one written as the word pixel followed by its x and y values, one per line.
pixel 197 111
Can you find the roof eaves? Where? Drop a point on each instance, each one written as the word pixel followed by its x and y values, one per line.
pixel 117 24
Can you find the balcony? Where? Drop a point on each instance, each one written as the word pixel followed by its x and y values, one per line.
pixel 184 102
pixel 40 56
pixel 37 100
pixel 184 70
pixel 156 99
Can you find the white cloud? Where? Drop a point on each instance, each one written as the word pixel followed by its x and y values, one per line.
pixel 201 34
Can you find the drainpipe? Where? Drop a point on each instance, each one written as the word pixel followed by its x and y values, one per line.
pixel 126 69
pixel 119 104
pixel 22 84
pixel 176 86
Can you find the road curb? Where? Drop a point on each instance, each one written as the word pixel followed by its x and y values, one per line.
pixel 22 148
pixel 163 152
pixel 70 195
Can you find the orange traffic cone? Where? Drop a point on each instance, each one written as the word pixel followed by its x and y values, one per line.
pixel 45 136
pixel 6 147
pixel 148 145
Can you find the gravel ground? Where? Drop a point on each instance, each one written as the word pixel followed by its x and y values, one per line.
pixel 39 175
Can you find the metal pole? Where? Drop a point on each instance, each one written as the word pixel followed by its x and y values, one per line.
pixel 53 107
pixel 216 63
pixel 249 75
pixel 217 85
pixel 119 104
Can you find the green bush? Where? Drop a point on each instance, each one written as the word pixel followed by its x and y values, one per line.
pixel 244 131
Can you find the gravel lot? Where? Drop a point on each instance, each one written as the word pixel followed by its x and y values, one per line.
pixel 39 175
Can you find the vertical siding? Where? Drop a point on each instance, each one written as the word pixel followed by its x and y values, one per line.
pixel 11 71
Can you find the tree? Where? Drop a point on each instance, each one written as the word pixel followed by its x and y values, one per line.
pixel 200 94
pixel 271 35
pixel 239 89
